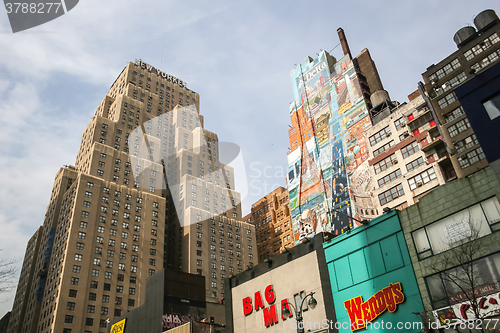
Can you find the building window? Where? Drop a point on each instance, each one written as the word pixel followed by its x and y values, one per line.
pixel 391 194
pixel 471 158
pixel 445 70
pixel 492 107
pixel 78 257
pixel 382 149
pixel 379 136
pixel 459 127
pixel 422 178
pixel 410 149
pixel 389 178
pixel 453 229
pixel 443 289
pixel 385 163
pixel 399 123
pixel 466 143
pixel 447 100
pixel 68 319
pixel 415 164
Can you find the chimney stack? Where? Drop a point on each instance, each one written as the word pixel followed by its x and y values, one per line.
pixel 343 42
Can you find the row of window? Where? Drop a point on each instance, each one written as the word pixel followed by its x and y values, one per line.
pixel 481 46
pixel 391 194
pixel 380 135
pixel 445 70
pixel 471 157
pixel 453 82
pixel 383 148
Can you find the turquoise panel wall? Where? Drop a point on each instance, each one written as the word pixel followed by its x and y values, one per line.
pixel 366 260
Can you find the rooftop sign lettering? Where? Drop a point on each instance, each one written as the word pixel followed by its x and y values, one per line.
pixel 158 72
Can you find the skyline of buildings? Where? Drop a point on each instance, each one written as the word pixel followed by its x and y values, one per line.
pixel 167 156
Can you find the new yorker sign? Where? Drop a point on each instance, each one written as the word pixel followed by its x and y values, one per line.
pixel 158 72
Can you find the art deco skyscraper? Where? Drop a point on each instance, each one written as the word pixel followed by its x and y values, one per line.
pixel 147 191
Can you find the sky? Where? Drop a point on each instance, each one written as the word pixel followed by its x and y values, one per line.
pixel 236 54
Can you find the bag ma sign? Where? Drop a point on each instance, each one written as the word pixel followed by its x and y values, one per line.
pixel 269 313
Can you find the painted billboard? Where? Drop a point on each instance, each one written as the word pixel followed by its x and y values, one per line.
pixel 327 147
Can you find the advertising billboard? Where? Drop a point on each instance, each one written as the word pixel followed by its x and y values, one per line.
pixel 327 147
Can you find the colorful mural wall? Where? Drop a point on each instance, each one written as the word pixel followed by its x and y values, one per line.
pixel 327 147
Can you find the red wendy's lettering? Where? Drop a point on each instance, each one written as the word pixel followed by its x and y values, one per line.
pixel 247 306
pixel 361 312
pixel 270 317
pixel 269 294
pixel 258 301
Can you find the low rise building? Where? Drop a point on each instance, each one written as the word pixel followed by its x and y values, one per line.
pixel 372 279
pixel 454 245
pixel 256 298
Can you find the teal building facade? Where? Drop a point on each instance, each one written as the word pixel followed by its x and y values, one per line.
pixel 372 278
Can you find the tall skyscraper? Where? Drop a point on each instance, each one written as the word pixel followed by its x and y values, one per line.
pixel 147 191
pixel 327 148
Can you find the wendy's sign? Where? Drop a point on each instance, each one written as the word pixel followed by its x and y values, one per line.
pixel 361 312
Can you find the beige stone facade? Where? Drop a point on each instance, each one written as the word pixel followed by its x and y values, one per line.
pixel 405 166
pixel 113 220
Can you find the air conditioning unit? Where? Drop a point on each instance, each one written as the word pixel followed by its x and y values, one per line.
pixel 419 184
pixel 395 162
pixel 388 135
